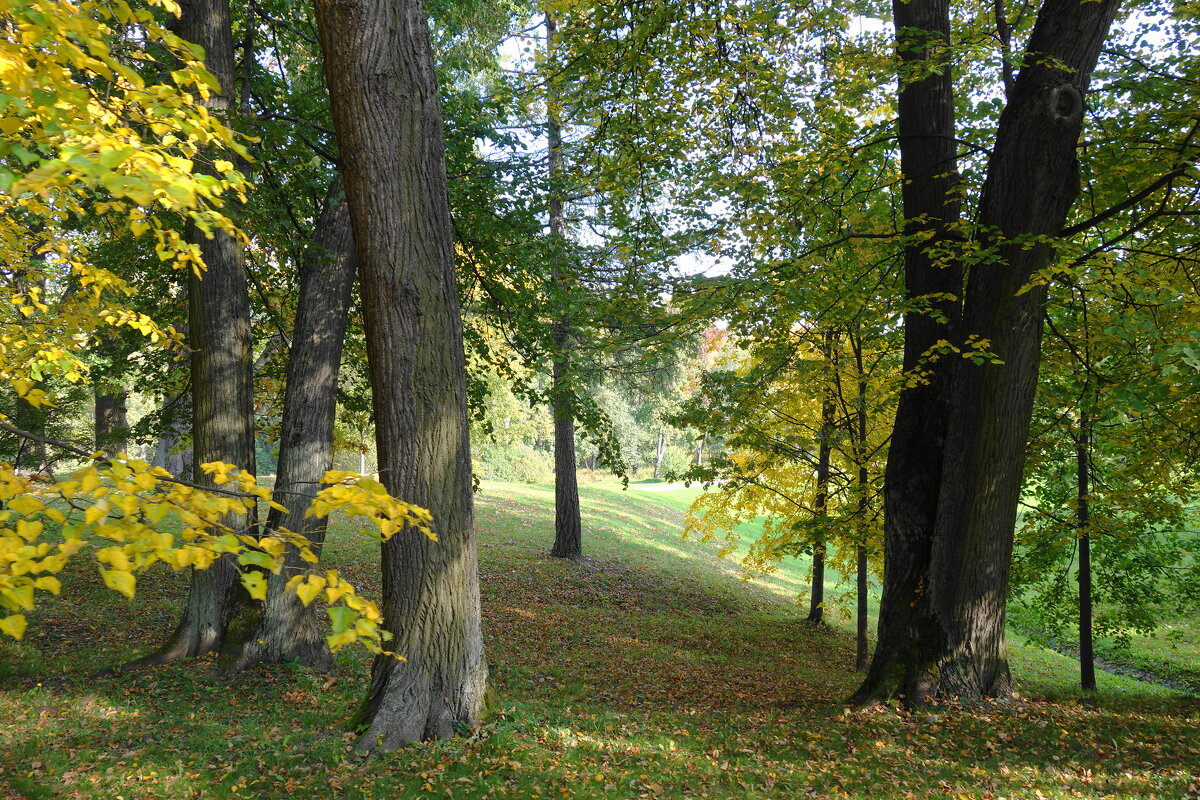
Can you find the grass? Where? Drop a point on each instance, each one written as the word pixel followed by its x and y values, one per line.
pixel 648 671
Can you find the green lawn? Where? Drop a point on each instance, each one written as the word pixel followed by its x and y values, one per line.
pixel 651 670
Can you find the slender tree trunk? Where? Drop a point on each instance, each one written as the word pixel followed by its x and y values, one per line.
pixel 31 457
pixel 700 449
pixel 862 655
pixel 222 361
pixel 660 453
pixel 112 426
pixel 1087 653
pixel 379 67
pixel 862 644
pixel 816 608
pixel 568 527
pixel 948 538
pixel 282 628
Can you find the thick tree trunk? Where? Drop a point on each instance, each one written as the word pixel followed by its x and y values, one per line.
pixel 282 628
pixel 568 527
pixel 112 426
pixel 222 359
pixel 907 647
pixel 379 67
pixel 948 539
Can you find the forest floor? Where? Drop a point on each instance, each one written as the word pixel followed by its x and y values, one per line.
pixel 650 670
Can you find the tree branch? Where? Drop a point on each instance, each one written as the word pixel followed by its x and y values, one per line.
pixel 72 449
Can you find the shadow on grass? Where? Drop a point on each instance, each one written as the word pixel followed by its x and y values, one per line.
pixel 637 674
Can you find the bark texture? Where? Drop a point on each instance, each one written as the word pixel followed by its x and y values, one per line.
pixel 112 426
pixel 954 470
pixel 568 525
pixel 379 67
pixel 221 364
pixel 282 628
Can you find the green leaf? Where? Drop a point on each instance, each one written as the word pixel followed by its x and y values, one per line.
pixel 342 618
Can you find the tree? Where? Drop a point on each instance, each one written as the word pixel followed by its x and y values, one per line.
pixel 568 529
pixel 1111 471
pixel 379 66
pixel 88 139
pixel 803 421
pixel 954 469
pixel 281 627
pixel 221 364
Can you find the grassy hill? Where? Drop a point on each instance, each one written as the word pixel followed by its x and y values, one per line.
pixel 649 671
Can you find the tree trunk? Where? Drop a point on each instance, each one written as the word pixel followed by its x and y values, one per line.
pixel 948 537
pixel 660 453
pixel 282 628
pixel 168 453
pixel 568 527
pixel 816 608
pixel 112 426
pixel 859 436
pixel 379 67
pixel 222 361
pixel 862 644
pixel 1087 652
pixel 31 457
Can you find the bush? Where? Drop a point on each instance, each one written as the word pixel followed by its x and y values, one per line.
pixel 514 463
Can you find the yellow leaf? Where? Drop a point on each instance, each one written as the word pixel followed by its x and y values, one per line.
pixel 118 581
pixel 309 589
pixel 13 625
pixel 95 513
pixel 28 530
pixel 25 505
pixel 49 583
pixel 256 585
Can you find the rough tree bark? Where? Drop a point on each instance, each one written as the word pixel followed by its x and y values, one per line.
pixel 954 470
pixel 379 67
pixel 282 628
pixel 221 364
pixel 112 426
pixel 568 526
